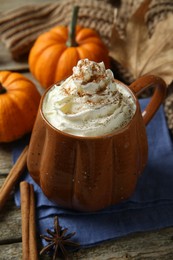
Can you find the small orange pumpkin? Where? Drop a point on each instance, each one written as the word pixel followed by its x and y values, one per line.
pixel 19 101
pixel 56 52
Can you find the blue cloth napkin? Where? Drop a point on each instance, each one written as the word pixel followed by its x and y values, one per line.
pixel 150 207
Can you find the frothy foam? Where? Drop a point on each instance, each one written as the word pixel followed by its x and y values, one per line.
pixel 89 103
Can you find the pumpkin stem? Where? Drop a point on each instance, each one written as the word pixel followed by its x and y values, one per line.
pixel 2 89
pixel 71 42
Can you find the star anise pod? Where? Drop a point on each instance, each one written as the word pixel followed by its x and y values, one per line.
pixel 58 240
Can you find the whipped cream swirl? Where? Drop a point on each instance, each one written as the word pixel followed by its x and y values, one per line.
pixel 89 103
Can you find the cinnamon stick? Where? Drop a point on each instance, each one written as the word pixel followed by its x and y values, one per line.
pixel 13 176
pixel 25 197
pixel 33 254
pixel 29 244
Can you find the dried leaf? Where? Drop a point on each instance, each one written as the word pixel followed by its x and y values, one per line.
pixel 140 54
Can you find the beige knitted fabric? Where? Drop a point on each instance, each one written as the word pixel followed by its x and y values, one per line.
pixel 158 10
pixel 20 28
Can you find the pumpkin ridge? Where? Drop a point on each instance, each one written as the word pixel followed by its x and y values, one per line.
pixel 4 76
pixel 50 44
pixel 60 33
pixel 32 94
pixel 96 55
pixel 13 126
pixel 93 40
pixel 52 35
pixel 94 45
pixel 46 79
pixel 13 77
pixel 18 108
pixel 82 52
pixel 40 51
pixel 21 110
pixel 86 33
pixel 63 68
pixel 34 59
pixel 17 80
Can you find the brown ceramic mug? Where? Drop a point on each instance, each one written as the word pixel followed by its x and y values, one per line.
pixel 91 173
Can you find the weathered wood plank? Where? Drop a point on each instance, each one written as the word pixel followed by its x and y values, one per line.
pixel 11 251
pixel 14 252
pixel 130 248
pixel 5 158
pixel 149 245
pixel 10 223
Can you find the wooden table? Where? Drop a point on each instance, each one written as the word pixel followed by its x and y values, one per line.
pixel 156 245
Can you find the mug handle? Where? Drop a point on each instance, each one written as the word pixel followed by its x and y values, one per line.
pixel 159 94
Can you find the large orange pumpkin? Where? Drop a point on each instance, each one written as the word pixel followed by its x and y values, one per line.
pixel 56 52
pixel 19 101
